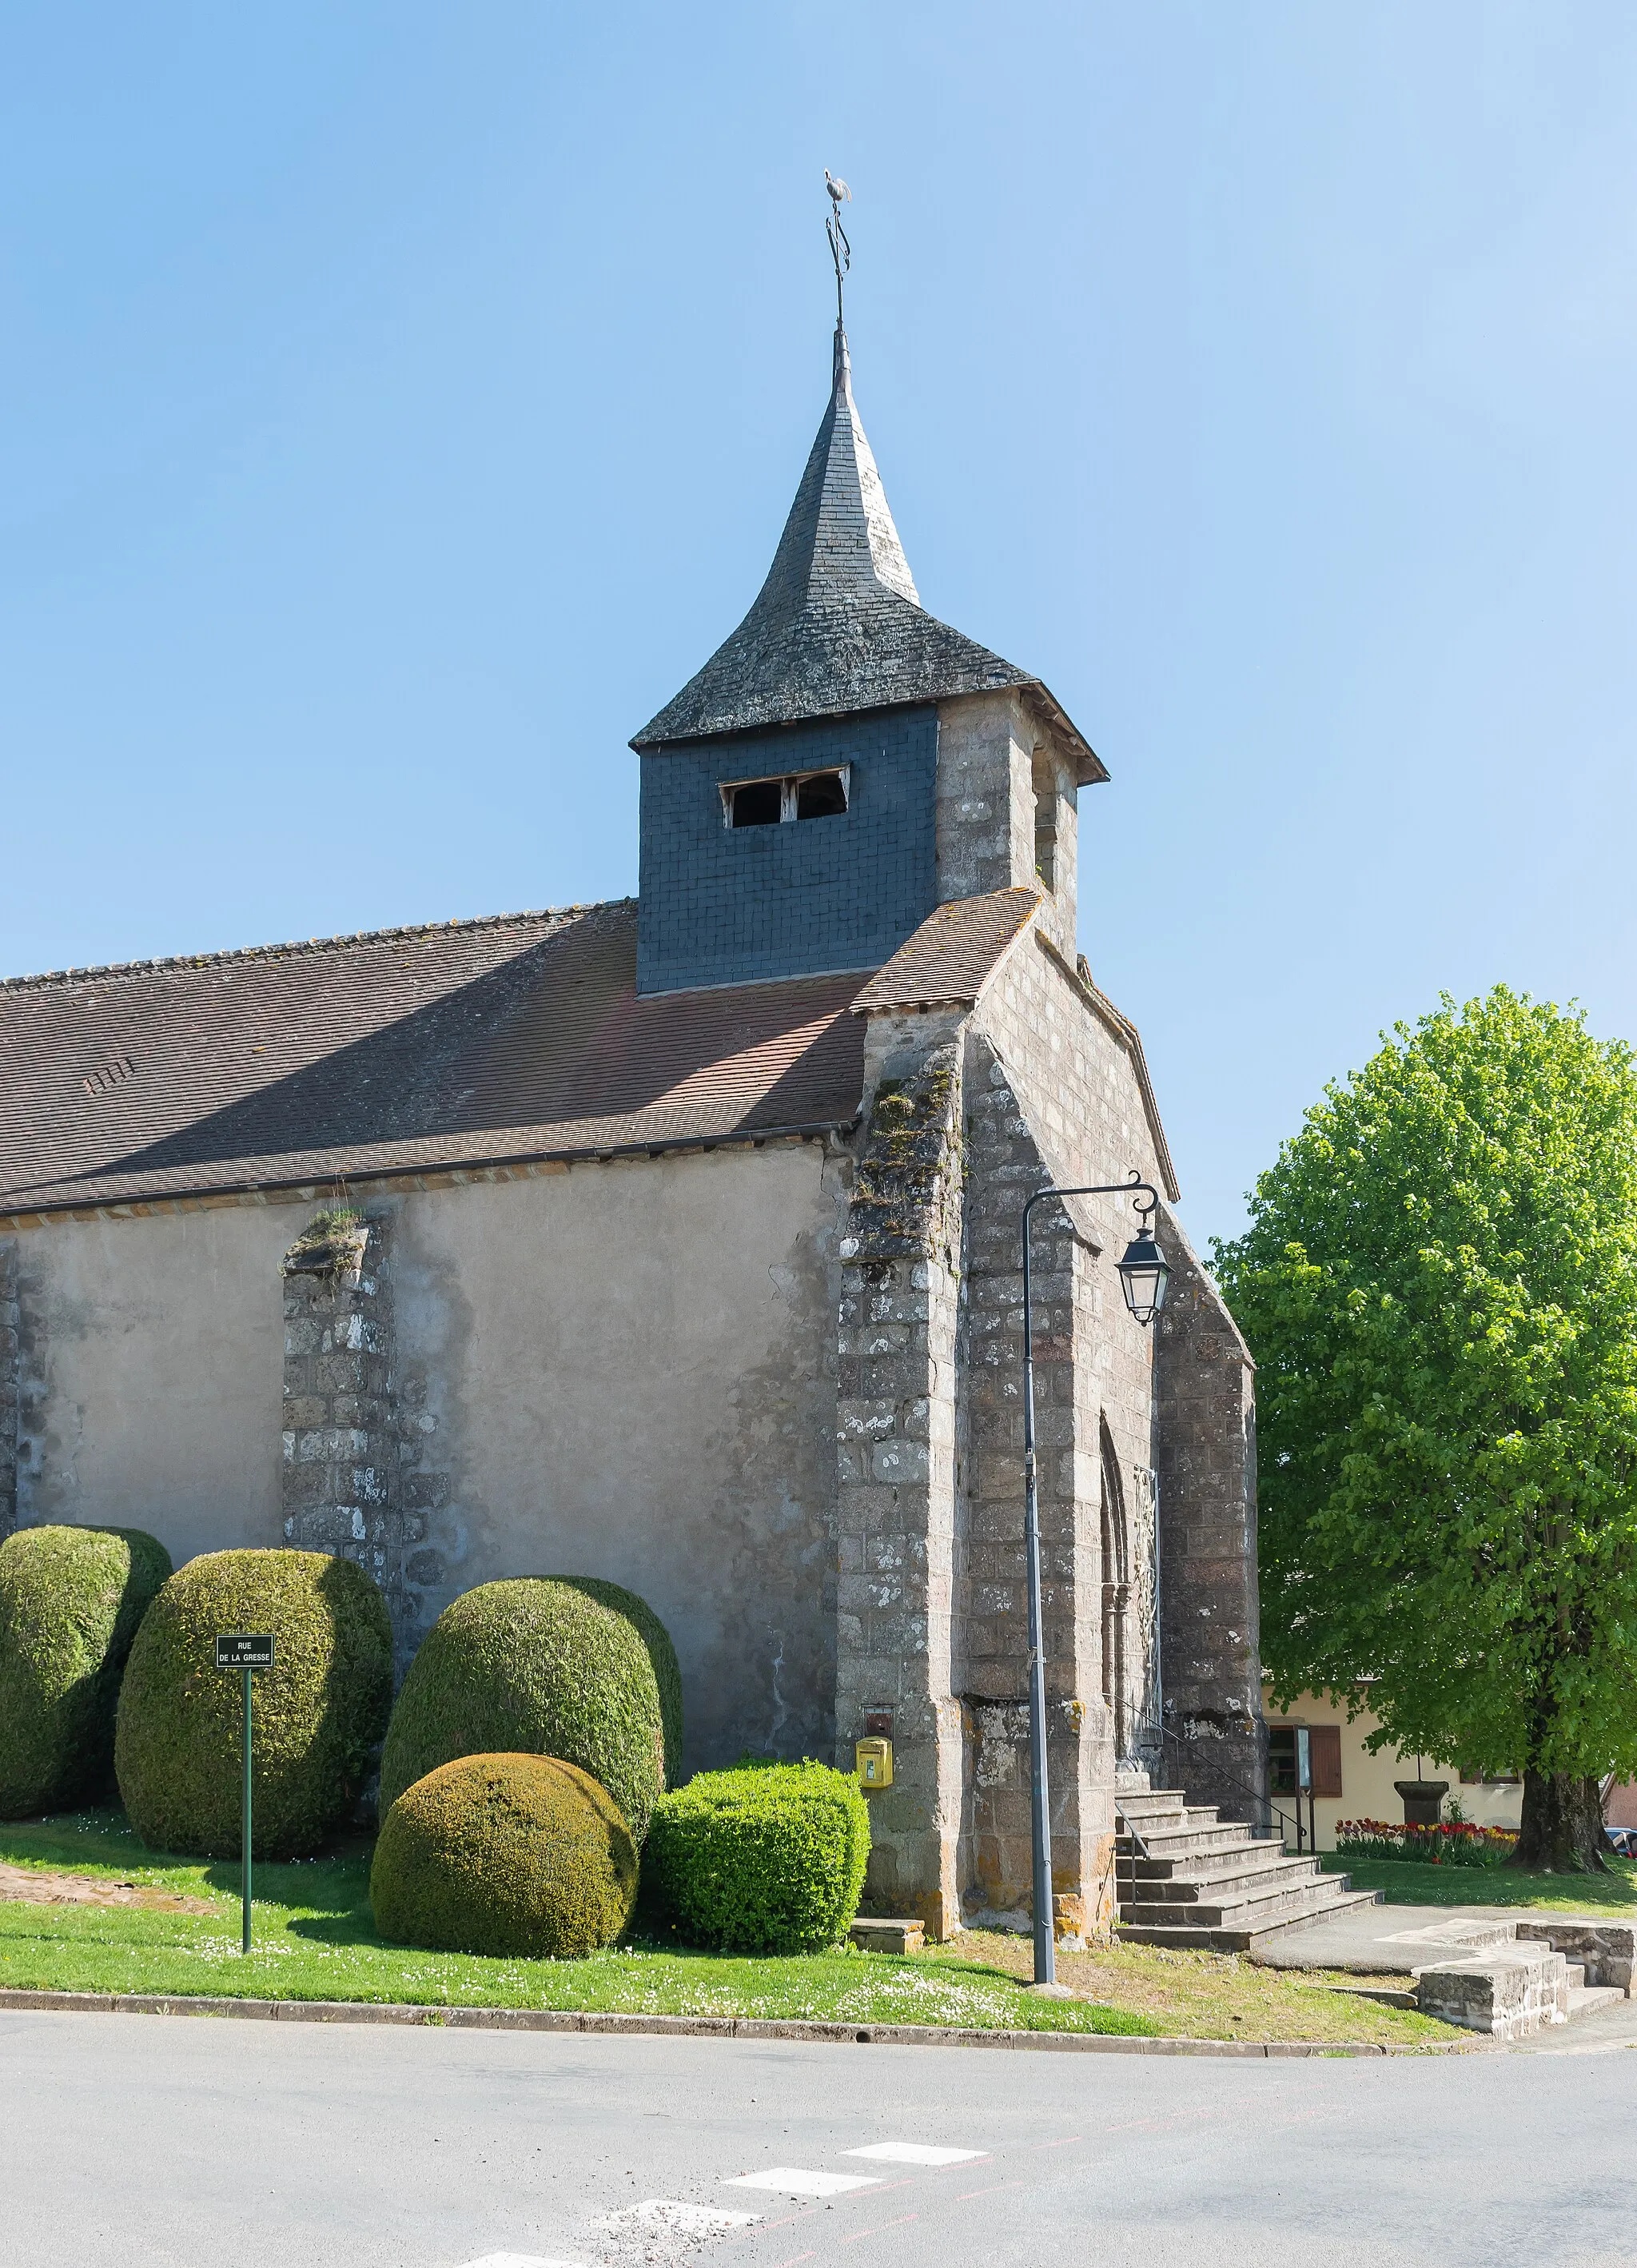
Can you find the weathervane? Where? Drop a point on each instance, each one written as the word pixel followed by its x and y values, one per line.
pixel 840 250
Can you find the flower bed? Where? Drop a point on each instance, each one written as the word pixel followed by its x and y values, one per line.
pixel 1451 1843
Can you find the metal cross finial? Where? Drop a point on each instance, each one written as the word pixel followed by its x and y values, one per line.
pixel 840 250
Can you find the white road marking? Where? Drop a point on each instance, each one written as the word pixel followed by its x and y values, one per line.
pixel 913 2153
pixel 671 2213
pixel 520 2260
pixel 801 2181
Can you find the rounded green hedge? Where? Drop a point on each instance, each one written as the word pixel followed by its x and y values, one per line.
pixel 661 1653
pixel 70 1601
pixel 505 1854
pixel 532 1668
pixel 766 1858
pixel 319 1712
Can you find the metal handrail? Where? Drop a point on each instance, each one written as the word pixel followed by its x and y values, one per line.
pixel 1130 1826
pixel 1232 1779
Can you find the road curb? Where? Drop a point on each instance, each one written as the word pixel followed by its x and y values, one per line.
pixel 737 2027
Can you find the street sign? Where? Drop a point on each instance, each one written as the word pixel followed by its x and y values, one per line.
pixel 239 1650
pixel 244 1651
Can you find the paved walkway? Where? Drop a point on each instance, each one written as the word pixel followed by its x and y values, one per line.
pixel 1377 1940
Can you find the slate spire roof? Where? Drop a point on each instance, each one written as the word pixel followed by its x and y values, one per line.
pixel 838 626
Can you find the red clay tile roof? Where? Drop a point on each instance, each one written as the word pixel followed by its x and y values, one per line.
pixel 953 955
pixel 400 1051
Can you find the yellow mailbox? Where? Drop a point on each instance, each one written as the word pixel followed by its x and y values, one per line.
pixel 875 1763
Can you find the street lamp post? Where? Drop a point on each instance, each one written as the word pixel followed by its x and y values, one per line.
pixel 1144 1276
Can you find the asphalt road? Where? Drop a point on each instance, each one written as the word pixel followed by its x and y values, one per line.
pixel 148 2142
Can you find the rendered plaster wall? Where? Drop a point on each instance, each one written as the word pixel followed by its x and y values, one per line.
pixel 150 1375
pixel 624 1370
pixel 628 1370
pixel 1367 1778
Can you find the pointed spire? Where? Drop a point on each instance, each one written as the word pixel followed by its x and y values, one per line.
pixel 838 626
pixel 839 542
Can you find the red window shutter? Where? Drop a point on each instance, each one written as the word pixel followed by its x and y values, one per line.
pixel 1324 1750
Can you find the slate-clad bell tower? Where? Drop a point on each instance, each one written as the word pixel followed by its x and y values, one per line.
pixel 845 761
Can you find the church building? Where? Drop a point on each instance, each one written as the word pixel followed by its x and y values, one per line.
pixel 688 1248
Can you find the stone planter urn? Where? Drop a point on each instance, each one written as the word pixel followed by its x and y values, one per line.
pixel 1423 1800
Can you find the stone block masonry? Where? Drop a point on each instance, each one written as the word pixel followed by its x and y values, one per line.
pixel 895 1516
pixel 1003 1167
pixel 1216 1747
pixel 341 1443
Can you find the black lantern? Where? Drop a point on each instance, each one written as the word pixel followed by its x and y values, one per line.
pixel 1143 1274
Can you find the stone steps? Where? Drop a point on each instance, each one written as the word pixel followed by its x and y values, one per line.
pixel 1185 1842
pixel 1214 1867
pixel 1514 1978
pixel 1203 1881
pixel 1180 1895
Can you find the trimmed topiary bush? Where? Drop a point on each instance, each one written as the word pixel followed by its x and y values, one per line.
pixel 319 1710
pixel 661 1653
pixel 505 1854
pixel 532 1668
pixel 70 1601
pixel 767 1859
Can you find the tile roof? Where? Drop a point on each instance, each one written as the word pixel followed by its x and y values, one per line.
pixel 838 626
pixel 399 1051
pixel 953 955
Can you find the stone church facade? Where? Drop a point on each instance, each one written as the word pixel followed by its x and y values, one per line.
pixel 690 1248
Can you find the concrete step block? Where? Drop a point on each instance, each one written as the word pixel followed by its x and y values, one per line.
pixel 873 1933
pixel 1583 1998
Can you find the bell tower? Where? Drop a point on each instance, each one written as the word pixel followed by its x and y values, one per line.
pixel 845 763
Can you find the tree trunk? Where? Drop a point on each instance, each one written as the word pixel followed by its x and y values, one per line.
pixel 1561 1831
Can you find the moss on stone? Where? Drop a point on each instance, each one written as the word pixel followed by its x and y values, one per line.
pixel 71 1600
pixel 318 1712
pixel 535 1667
pixel 512 1855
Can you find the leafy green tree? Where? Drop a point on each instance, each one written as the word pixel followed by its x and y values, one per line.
pixel 1439 1284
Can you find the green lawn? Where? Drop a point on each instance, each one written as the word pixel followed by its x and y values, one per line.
pixel 315 1940
pixel 1408 1882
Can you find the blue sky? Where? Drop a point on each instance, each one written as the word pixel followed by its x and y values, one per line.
pixel 398 402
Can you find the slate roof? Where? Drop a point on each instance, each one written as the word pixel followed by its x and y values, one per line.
pixel 401 1050
pixel 838 626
